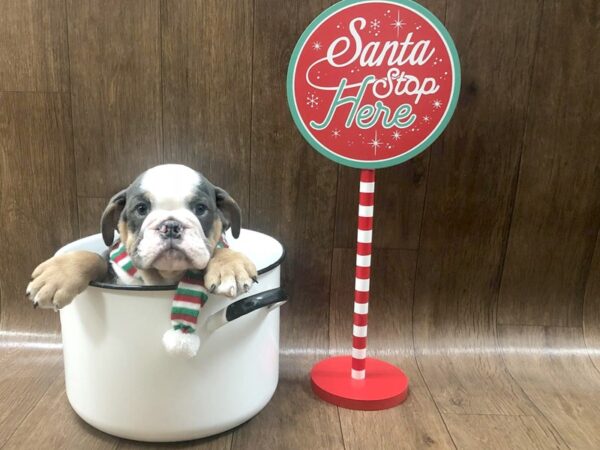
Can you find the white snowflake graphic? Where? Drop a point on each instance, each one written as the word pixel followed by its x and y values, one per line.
pixel 317 45
pixel 376 143
pixel 426 118
pixel 312 100
pixel 437 104
pixel 336 133
pixel 375 24
pixel 398 24
pixel 396 135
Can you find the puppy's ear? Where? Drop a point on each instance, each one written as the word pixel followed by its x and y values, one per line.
pixel 110 216
pixel 231 214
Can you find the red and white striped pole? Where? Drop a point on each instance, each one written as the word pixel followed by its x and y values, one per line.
pixel 363 272
pixel 383 385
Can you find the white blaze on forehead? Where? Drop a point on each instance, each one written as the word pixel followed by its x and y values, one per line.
pixel 170 185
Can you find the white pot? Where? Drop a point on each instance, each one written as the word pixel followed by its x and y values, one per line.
pixel 120 379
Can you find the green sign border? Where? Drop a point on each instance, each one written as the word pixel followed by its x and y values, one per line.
pixel 405 156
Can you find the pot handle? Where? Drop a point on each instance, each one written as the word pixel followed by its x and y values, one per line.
pixel 270 299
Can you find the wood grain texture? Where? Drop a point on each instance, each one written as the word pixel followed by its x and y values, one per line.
pixel 292 187
pixel 37 197
pixel 591 309
pixel 293 419
pixel 467 381
pixel 414 425
pixel 207 76
pixel 219 442
pixel 33 46
pixel 399 198
pixel 475 432
pixel 550 366
pixel 53 424
pixel 467 211
pixel 115 91
pixel 557 210
pixel 89 212
pixel 27 373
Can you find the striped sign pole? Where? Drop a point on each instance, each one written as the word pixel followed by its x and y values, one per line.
pixel 363 272
pixel 355 381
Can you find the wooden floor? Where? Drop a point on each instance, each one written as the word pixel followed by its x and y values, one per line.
pixel 508 387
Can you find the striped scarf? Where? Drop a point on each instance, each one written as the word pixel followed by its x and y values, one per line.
pixel 189 298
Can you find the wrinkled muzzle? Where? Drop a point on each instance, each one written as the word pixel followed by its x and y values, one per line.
pixel 171 241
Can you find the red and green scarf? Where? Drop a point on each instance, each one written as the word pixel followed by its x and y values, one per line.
pixel 189 298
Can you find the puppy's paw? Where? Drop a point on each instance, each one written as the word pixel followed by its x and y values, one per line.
pixel 57 281
pixel 229 273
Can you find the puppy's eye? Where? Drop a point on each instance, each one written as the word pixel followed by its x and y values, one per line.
pixel 199 209
pixel 141 209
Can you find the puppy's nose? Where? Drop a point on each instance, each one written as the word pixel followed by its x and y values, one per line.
pixel 170 229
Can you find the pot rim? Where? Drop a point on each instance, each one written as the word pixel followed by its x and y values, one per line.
pixel 172 287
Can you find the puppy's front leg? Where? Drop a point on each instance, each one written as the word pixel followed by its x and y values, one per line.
pixel 56 282
pixel 229 273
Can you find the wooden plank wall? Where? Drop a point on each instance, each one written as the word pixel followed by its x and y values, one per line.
pixel 487 242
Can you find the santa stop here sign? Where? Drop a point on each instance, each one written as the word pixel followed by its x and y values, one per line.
pixel 372 83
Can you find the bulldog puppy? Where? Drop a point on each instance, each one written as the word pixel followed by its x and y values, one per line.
pixel 170 220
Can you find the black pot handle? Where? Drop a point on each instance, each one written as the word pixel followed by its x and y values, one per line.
pixel 270 299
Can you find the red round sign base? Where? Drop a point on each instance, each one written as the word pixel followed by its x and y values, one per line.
pixel 384 386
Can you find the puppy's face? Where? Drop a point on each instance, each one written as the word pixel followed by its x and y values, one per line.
pixel 170 218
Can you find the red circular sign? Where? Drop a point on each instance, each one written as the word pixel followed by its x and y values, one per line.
pixel 373 83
